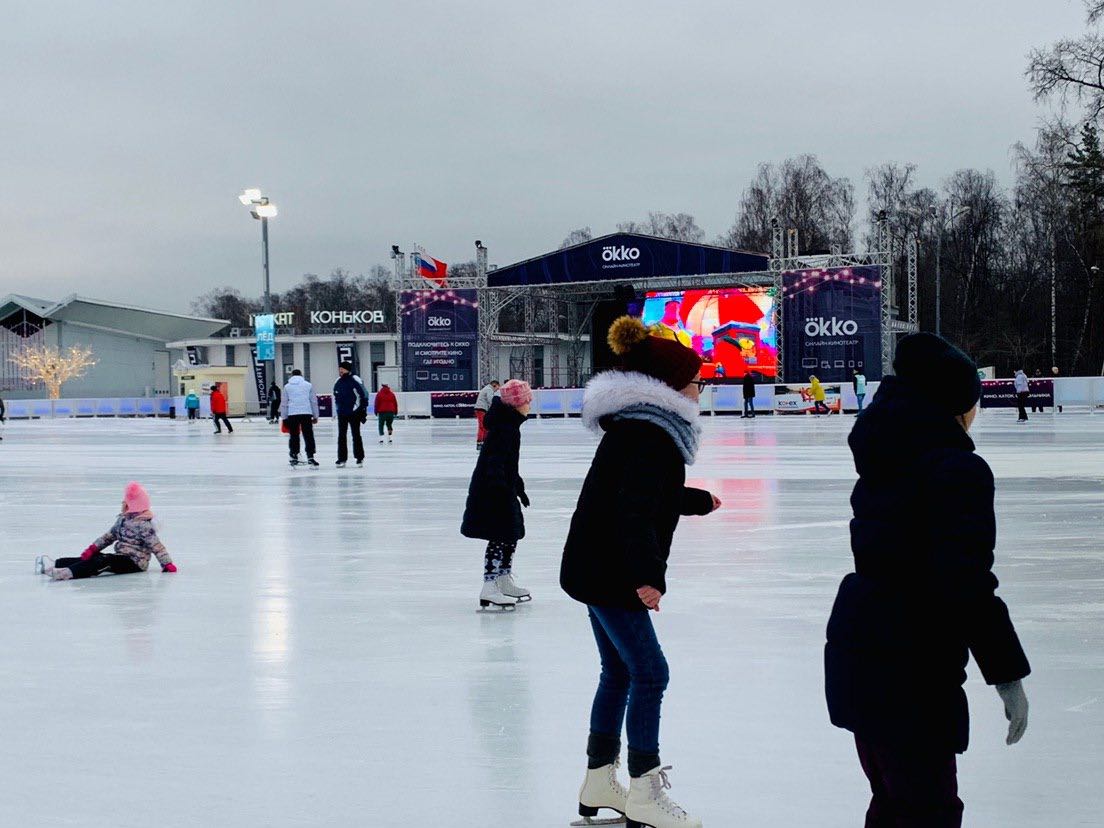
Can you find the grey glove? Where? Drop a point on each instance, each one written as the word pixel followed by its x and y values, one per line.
pixel 1015 709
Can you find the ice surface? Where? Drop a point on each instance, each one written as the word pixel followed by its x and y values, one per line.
pixel 318 660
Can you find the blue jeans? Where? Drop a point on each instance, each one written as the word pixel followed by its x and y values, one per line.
pixel 749 406
pixel 860 398
pixel 630 688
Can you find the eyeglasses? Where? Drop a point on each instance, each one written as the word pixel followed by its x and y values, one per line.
pixel 702 385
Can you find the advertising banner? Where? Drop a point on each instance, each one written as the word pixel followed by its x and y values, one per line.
pixel 731 329
pixel 798 399
pixel 627 256
pixel 832 323
pixel 1002 394
pixel 440 338
pixel 266 337
pixel 453 404
pixel 259 377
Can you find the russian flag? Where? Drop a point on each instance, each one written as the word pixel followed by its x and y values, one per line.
pixel 431 269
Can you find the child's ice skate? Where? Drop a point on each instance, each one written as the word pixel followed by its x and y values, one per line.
pixel 41 565
pixel 510 589
pixel 491 598
pixel 63 574
pixel 649 806
pixel 602 789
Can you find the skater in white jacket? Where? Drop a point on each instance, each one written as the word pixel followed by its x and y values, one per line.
pixel 299 411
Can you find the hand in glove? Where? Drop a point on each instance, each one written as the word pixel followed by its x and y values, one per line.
pixel 169 568
pixel 1015 709
pixel 89 552
pixel 524 498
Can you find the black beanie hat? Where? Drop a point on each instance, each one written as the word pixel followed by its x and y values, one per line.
pixel 348 366
pixel 943 372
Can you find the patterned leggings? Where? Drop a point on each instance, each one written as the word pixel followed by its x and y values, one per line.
pixel 499 557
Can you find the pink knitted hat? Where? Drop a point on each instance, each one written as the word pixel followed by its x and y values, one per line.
pixel 516 393
pixel 136 498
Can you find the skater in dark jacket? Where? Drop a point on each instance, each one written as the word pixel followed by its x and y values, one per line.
pixel 350 401
pixel 615 558
pixel 497 493
pixel 749 396
pixel 922 597
pixel 274 403
pixel 135 540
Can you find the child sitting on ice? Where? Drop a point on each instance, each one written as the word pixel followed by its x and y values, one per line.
pixel 135 541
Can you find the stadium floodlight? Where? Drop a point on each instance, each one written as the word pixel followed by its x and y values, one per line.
pixel 250 195
pixel 264 210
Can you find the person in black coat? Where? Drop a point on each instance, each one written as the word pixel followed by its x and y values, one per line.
pixel 615 557
pixel 749 396
pixel 350 402
pixel 496 495
pixel 922 596
pixel 274 402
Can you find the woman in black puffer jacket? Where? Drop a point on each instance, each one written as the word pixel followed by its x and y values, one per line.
pixel 615 558
pixel 496 495
pixel 922 596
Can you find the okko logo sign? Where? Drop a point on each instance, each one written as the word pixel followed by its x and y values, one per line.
pixel 439 322
pixel 620 253
pixel 818 326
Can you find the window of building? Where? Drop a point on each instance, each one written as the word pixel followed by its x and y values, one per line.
pixel 230 354
pixel 306 361
pixel 287 358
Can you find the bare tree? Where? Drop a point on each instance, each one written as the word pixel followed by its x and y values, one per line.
pixel 577 236
pixel 1073 68
pixel 676 226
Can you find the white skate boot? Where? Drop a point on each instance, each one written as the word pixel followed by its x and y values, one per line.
pixel 491 598
pixel 508 588
pixel 602 789
pixel 41 565
pixel 649 806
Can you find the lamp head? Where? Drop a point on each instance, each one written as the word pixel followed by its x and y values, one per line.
pixel 251 195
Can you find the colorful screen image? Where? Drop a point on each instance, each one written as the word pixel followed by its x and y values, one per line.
pixel 732 329
pixel 798 399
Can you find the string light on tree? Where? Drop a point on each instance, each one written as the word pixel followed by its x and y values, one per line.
pixel 51 367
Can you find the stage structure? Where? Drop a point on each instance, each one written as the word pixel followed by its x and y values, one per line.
pixel 551 299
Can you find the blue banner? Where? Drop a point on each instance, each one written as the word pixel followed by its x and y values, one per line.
pixel 440 340
pixel 265 326
pixel 832 324
pixel 627 256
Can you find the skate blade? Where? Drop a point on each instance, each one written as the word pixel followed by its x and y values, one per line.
pixel 494 609
pixel 598 821
pixel 525 599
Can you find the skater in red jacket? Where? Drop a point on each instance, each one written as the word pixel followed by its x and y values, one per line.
pixel 218 410
pixel 386 406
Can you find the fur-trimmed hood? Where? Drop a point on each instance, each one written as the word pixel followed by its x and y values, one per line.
pixel 629 395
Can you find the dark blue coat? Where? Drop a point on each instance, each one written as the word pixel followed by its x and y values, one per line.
pixel 349 396
pixel 493 510
pixel 922 596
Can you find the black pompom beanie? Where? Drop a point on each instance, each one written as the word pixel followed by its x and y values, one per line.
pixel 945 374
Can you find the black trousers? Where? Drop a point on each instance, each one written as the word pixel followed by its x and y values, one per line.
pixel 98 564
pixel 819 406
pixel 295 424
pixel 910 789
pixel 344 424
pixel 192 413
pixel 222 418
pixel 1021 399
pixel 274 410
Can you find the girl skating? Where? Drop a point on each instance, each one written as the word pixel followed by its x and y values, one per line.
pixel 496 495
pixel 135 542
pixel 615 559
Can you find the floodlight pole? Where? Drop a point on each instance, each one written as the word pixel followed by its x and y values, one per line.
pixel 267 283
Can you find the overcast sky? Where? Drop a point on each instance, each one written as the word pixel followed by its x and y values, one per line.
pixel 128 128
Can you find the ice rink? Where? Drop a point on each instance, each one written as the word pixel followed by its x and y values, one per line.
pixel 318 660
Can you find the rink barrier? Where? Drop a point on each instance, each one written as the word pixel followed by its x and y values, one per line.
pixel 1072 393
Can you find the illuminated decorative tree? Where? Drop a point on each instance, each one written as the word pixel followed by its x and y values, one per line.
pixel 48 365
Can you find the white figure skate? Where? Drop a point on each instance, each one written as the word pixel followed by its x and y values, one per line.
pixel 602 789
pixel 650 807
pixel 510 589
pixel 491 598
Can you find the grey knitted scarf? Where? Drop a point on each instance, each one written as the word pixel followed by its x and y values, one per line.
pixel 687 435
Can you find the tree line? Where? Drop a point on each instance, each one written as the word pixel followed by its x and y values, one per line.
pixel 999 249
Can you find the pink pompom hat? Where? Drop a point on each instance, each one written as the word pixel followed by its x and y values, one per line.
pixel 136 498
pixel 516 393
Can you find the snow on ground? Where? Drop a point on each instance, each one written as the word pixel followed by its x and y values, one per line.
pixel 317 661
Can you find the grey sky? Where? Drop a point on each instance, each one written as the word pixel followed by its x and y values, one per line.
pixel 128 128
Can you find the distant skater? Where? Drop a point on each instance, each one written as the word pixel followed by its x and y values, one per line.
pixel 299 410
pixel 191 404
pixel 482 406
pixel 386 406
pixel 274 403
pixel 818 396
pixel 615 559
pixel 350 404
pixel 3 417
pixel 1054 373
pixel 860 389
pixel 1037 407
pixel 922 598
pixel 496 495
pixel 1023 392
pixel 749 397
pixel 218 410
pixel 135 540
